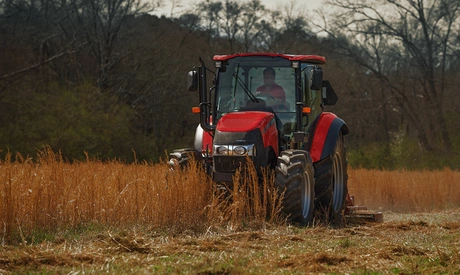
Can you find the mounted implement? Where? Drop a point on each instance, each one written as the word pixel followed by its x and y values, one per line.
pixel 269 107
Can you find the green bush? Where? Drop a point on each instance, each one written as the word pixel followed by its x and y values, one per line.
pixel 403 153
pixel 70 120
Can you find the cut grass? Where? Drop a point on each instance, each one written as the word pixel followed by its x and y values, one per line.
pixel 405 245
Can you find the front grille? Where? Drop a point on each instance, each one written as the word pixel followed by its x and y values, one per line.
pixel 228 164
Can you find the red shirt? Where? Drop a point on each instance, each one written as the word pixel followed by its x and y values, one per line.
pixel 275 90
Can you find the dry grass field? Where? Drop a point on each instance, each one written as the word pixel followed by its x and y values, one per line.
pixel 97 217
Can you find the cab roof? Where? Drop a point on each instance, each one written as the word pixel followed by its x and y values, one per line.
pixel 315 59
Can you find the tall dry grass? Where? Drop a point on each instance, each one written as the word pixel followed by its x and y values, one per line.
pixel 405 191
pixel 52 194
pixel 251 201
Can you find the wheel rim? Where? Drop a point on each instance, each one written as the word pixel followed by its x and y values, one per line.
pixel 306 196
pixel 337 182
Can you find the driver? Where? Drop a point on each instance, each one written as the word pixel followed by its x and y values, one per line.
pixel 270 87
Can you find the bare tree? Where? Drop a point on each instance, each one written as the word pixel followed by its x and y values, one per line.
pixel 49 43
pixel 252 21
pixel 249 24
pixel 65 27
pixel 231 21
pixel 174 4
pixel 101 21
pixel 406 44
pixel 210 11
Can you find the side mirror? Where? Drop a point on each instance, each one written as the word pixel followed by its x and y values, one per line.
pixel 328 93
pixel 317 79
pixel 192 81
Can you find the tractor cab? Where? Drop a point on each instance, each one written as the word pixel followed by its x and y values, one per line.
pixel 295 92
pixel 288 86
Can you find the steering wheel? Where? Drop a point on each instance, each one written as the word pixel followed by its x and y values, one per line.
pixel 269 99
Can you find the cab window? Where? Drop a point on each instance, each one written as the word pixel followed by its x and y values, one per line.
pixel 312 98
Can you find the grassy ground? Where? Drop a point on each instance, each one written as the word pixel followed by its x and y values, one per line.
pixel 403 244
pixel 91 217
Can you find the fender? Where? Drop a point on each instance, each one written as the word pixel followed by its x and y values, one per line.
pixel 325 135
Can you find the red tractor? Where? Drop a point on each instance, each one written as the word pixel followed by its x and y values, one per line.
pixel 269 107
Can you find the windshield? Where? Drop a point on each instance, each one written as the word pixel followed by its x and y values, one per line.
pixel 249 81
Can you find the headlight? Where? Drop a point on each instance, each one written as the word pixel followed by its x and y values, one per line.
pixel 239 150
pixel 221 150
pixel 235 150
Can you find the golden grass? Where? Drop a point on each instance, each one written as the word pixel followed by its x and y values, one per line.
pixel 51 194
pixel 250 202
pixel 405 191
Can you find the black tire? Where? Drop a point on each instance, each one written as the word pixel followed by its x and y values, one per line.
pixel 340 182
pixel 323 188
pixel 332 185
pixel 294 177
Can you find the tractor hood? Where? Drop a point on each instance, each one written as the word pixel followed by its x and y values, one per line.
pixel 245 121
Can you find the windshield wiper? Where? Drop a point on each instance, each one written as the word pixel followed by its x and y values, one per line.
pixel 243 85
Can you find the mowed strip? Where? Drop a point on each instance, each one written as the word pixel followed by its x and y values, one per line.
pixel 407 244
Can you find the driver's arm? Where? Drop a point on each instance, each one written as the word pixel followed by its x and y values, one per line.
pixel 279 94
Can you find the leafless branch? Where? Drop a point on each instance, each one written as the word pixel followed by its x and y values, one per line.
pixel 42 62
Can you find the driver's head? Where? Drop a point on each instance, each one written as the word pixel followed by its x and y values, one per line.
pixel 269 76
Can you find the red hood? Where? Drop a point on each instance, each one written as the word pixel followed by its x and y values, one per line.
pixel 243 121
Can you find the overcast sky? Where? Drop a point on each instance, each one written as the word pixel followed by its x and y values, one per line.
pixel 270 4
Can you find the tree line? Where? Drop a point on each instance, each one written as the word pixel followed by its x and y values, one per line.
pixel 108 78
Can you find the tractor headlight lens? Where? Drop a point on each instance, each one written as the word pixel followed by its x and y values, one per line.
pixel 239 150
pixel 222 150
pixel 235 150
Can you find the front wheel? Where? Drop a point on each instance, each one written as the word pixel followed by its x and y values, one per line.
pixel 294 177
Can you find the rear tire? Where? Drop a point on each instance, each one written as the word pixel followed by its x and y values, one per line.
pixel 339 183
pixel 332 185
pixel 294 177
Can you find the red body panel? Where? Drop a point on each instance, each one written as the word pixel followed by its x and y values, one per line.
pixel 320 134
pixel 315 59
pixel 251 120
pixel 243 121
